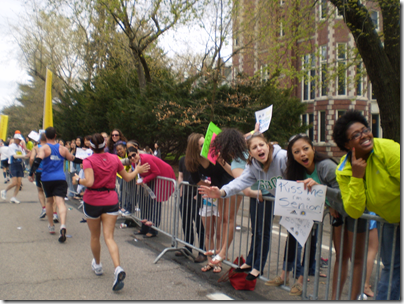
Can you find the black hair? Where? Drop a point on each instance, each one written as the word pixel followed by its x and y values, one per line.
pixel 131 149
pixel 294 170
pixel 97 139
pixel 81 141
pixel 231 145
pixel 342 125
pixel 50 133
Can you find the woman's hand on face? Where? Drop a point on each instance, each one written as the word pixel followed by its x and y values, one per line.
pixel 143 168
pixel 209 192
pixel 334 213
pixel 358 166
pixel 308 183
pixel 221 161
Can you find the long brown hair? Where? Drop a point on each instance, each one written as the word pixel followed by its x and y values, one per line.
pixel 192 153
pixel 111 143
pixel 271 149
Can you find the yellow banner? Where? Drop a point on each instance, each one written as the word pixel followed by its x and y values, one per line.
pixel 47 110
pixel 3 127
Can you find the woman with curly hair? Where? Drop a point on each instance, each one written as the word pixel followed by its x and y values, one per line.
pixel 369 177
pixel 266 163
pixel 232 146
pixel 220 174
pixel 115 138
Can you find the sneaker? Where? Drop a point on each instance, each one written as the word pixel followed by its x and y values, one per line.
pixel 96 268
pixel 4 194
pixel 324 263
pixel 125 213
pixel 51 229
pixel 43 213
pixel 55 218
pixel 119 277
pixel 14 200
pixel 66 198
pixel 276 282
pixel 296 290
pixel 62 236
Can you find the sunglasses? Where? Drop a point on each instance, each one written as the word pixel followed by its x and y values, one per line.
pixel 115 135
pixel 131 156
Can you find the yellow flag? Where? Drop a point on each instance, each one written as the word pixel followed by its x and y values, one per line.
pixel 3 127
pixel 47 109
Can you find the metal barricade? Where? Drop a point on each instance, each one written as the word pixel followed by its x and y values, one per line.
pixel 241 226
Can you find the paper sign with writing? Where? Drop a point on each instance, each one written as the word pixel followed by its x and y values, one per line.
pixel 264 118
pixel 34 136
pixel 297 227
pixel 293 201
pixel 82 154
pixel 206 151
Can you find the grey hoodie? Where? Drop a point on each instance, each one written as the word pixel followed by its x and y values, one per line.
pixel 254 172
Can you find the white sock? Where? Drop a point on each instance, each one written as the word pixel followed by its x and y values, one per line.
pixel 62 226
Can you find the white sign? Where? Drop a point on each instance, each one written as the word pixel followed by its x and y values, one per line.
pixel 34 136
pixel 264 118
pixel 297 227
pixel 82 154
pixel 292 200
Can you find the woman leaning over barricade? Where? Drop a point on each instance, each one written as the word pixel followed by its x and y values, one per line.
pixel 266 163
pixel 231 144
pixel 369 177
pixel 101 203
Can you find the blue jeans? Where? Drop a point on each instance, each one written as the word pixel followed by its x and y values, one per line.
pixel 386 252
pixel 260 213
pixel 291 256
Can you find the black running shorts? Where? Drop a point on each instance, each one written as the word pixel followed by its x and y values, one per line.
pixel 4 163
pixel 94 212
pixel 55 188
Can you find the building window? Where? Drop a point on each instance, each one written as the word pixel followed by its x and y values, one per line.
pixel 323 9
pixel 374 16
pixel 340 113
pixel 375 125
pixel 341 68
pixel 309 74
pixel 323 70
pixel 322 127
pixel 339 13
pixel 281 31
pixel 359 79
pixel 307 120
pixel 264 73
pixel 371 93
pixel 282 2
pixel 236 41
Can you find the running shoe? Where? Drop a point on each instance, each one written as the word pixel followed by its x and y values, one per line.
pixel 96 268
pixel 14 200
pixel 62 236
pixel 324 263
pixel 55 218
pixel 51 229
pixel 4 194
pixel 43 213
pixel 125 213
pixel 119 277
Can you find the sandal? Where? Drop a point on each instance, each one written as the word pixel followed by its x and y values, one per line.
pixel 148 223
pixel 207 267
pixel 210 252
pixel 143 221
pixel 217 259
pixel 217 268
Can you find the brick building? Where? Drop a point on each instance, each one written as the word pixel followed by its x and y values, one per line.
pixel 330 44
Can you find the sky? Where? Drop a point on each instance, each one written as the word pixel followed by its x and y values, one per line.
pixel 11 71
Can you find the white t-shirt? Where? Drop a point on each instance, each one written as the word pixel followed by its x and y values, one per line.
pixel 14 149
pixel 4 152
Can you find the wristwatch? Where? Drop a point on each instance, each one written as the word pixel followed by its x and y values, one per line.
pixel 78 180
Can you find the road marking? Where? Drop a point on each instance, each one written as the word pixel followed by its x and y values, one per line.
pixel 218 297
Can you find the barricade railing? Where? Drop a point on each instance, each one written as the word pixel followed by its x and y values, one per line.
pixel 241 226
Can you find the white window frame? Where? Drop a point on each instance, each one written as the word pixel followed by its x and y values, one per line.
pixel 319 126
pixel 338 16
pixel 377 25
pixel 360 80
pixel 321 9
pixel 281 31
pixel 341 61
pixel 264 73
pixel 309 65
pixel 323 61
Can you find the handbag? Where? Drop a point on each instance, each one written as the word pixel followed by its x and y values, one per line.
pixel 237 280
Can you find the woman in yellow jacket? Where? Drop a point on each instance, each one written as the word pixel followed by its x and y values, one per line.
pixel 369 177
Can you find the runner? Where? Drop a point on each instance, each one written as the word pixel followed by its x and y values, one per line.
pixel 101 202
pixel 53 178
pixel 16 155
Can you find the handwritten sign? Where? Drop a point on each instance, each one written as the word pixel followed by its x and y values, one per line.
pixel 82 154
pixel 210 136
pixel 297 227
pixel 292 200
pixel 34 136
pixel 264 118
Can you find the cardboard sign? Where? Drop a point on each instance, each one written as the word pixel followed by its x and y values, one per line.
pixel 206 151
pixel 264 118
pixel 292 200
pixel 297 227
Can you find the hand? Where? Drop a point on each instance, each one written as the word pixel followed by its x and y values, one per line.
pixel 308 183
pixel 31 178
pixel 209 192
pixel 143 168
pixel 257 127
pixel 358 166
pixel 74 179
pixel 334 213
pixel 221 161
pixel 260 198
